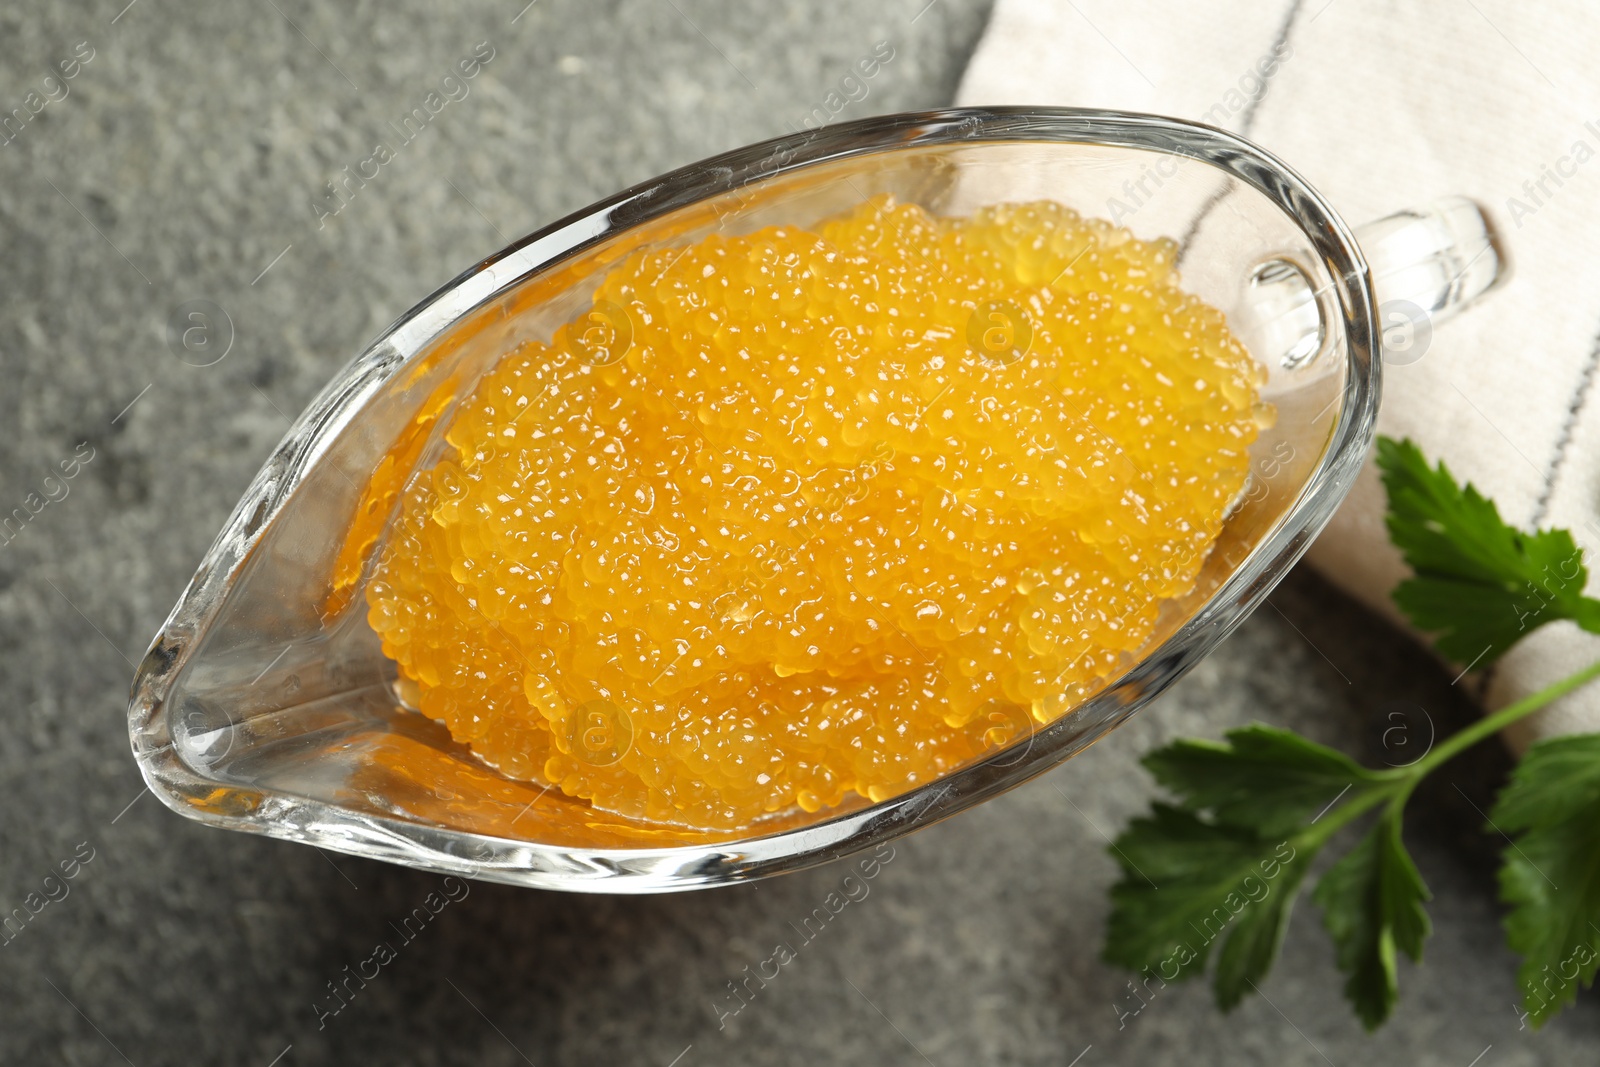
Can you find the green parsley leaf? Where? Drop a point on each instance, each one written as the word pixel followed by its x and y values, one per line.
pixel 1264 778
pixel 1252 948
pixel 1188 883
pixel 1371 904
pixel 1551 872
pixel 1225 867
pixel 1479 584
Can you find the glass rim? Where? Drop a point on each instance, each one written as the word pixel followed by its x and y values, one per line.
pixel 689 866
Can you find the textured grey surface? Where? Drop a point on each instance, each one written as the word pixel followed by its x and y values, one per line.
pixel 183 160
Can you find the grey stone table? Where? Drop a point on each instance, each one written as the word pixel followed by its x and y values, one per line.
pixel 184 159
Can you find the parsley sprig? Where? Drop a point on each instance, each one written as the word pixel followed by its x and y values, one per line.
pixel 1222 867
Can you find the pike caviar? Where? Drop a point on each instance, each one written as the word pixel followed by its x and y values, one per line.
pixel 810 512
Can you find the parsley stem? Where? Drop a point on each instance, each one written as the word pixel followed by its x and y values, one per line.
pixel 1369 796
pixel 1493 724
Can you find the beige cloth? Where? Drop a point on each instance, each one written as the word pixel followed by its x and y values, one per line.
pixel 1384 106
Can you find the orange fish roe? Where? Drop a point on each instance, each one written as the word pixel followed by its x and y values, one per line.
pixel 801 513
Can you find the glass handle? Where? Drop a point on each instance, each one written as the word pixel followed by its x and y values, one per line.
pixel 1439 259
pixel 1426 266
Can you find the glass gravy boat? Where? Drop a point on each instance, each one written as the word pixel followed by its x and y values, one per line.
pixel 265 703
